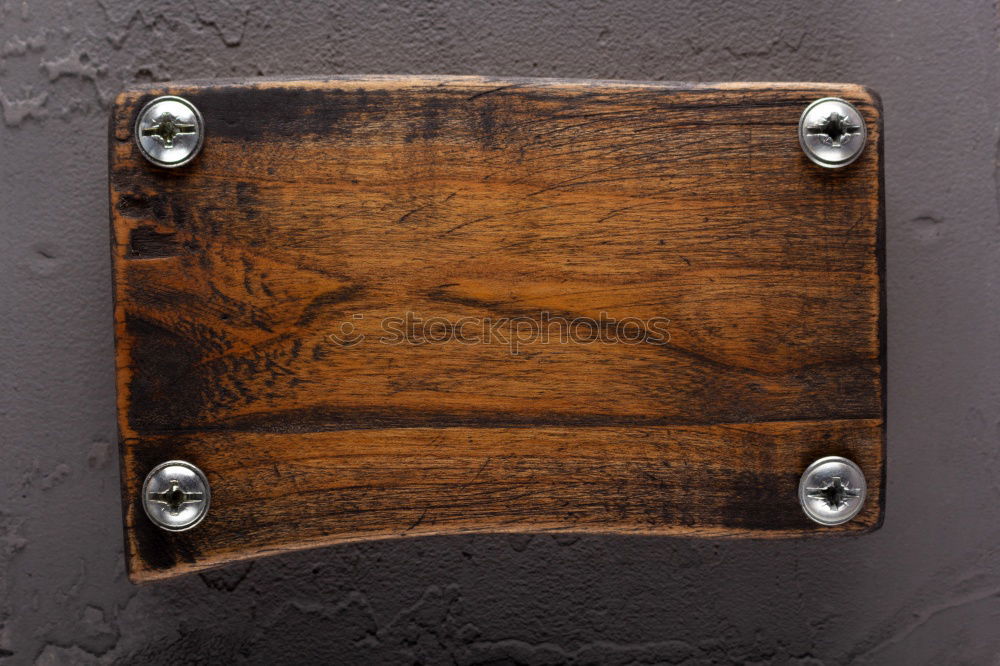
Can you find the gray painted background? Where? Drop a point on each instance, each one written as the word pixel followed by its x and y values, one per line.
pixel 925 589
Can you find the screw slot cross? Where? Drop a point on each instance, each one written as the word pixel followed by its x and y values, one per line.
pixel 835 129
pixel 175 497
pixel 167 128
pixel 835 493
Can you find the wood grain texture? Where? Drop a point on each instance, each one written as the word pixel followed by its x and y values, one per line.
pixel 352 200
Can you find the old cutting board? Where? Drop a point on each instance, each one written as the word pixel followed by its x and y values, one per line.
pixel 294 310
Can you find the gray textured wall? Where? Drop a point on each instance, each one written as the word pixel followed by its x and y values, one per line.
pixel 925 589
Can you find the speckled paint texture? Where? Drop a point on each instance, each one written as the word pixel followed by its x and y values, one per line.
pixel 925 589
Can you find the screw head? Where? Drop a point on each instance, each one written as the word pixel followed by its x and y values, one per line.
pixel 832 490
pixel 176 495
pixel 169 131
pixel 832 132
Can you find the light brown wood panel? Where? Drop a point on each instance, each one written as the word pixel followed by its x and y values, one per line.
pixel 316 204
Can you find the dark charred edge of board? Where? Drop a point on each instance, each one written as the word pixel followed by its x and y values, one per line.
pixel 123 470
pixel 880 258
pixel 159 391
pixel 153 546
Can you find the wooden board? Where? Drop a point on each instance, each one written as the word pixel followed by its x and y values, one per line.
pixel 320 210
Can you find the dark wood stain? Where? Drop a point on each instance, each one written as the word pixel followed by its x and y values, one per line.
pixel 351 200
pixel 285 112
pixel 145 242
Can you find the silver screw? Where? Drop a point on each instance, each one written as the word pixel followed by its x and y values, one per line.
pixel 832 490
pixel 176 495
pixel 169 131
pixel 832 132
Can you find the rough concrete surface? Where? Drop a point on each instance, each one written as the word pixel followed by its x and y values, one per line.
pixel 925 589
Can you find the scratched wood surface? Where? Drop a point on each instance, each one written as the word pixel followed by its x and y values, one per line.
pixel 259 293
